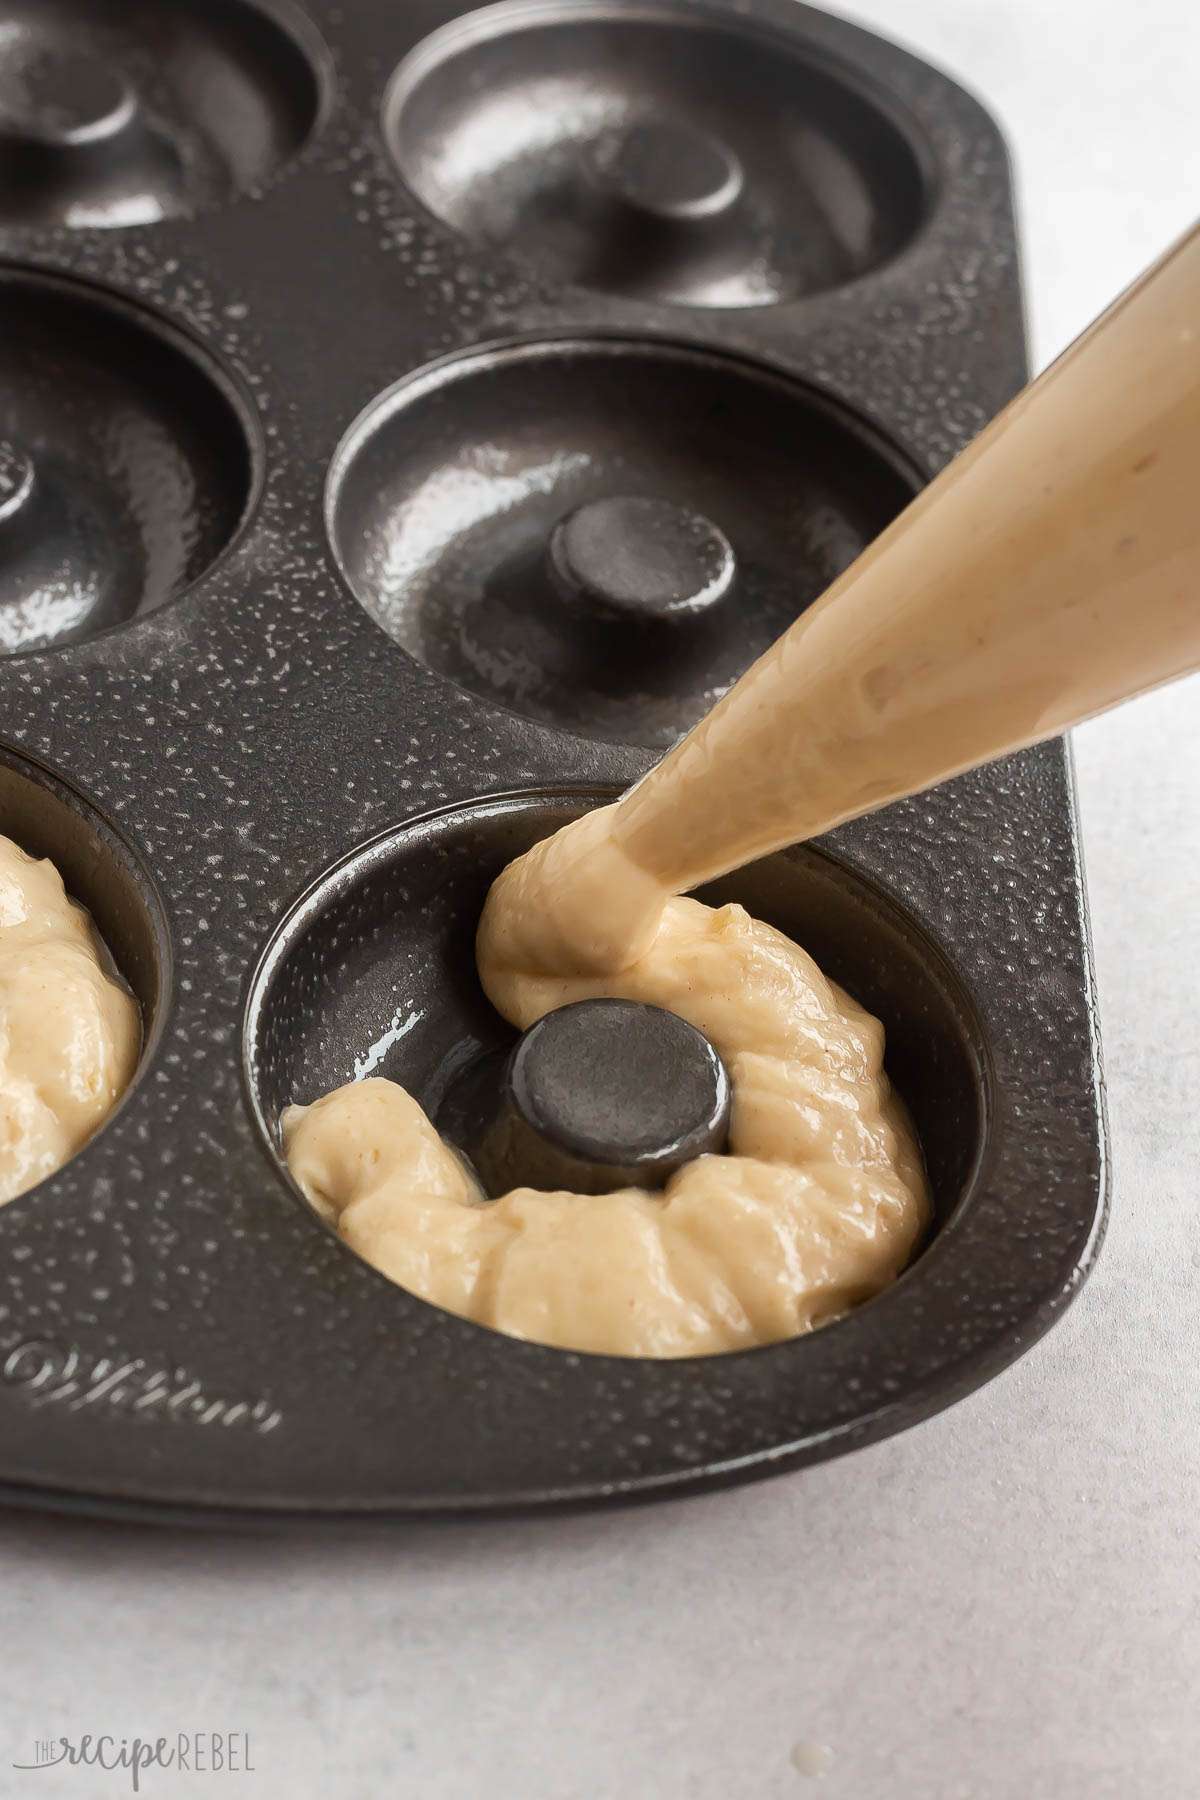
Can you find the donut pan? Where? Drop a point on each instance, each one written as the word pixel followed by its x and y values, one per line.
pixel 409 423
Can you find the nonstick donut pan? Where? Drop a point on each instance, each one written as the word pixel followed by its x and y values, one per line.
pixel 409 424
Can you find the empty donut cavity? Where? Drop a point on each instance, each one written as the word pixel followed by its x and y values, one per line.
pixel 123 112
pixel 602 534
pixel 128 460
pixel 656 152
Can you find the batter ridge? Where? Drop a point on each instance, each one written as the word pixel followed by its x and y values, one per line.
pixel 818 1205
pixel 69 1032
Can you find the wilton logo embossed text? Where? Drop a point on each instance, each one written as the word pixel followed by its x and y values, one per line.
pixel 54 1375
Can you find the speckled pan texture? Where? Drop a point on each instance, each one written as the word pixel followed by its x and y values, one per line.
pixel 328 641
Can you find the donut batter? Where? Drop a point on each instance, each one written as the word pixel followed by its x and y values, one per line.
pixel 69 1033
pixel 818 1205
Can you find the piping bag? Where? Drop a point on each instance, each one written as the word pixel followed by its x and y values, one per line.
pixel 1049 572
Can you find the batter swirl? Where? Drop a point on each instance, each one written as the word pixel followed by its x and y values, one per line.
pixel 69 1033
pixel 818 1205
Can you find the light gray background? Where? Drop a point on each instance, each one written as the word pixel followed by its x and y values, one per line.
pixel 1000 1605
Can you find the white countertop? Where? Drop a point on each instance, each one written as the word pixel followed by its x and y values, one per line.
pixel 999 1605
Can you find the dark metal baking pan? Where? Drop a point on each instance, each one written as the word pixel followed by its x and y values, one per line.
pixel 281 777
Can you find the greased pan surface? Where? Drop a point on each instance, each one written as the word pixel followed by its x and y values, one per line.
pixel 301 382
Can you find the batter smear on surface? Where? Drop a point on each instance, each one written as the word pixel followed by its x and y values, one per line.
pixel 818 1205
pixel 69 1033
